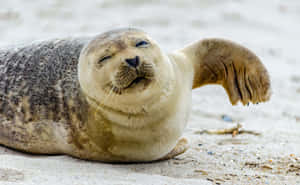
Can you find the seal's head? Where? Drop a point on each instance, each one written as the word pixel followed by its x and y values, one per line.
pixel 124 69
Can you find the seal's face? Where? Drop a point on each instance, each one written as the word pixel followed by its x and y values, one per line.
pixel 124 64
pixel 130 60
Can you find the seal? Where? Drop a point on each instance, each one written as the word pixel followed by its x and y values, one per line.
pixel 115 97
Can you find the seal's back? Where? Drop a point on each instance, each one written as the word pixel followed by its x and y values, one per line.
pixel 38 84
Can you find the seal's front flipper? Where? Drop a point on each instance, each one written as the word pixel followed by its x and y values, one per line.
pixel 180 148
pixel 237 69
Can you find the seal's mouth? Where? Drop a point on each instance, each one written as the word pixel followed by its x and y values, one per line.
pixel 135 81
pixel 129 79
pixel 139 83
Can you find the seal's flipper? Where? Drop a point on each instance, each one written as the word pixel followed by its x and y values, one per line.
pixel 180 148
pixel 237 69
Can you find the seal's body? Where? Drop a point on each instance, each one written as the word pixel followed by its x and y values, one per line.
pixel 115 97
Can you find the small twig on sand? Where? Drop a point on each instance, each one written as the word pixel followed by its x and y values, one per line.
pixel 233 131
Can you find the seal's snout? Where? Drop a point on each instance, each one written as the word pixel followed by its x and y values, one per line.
pixel 133 62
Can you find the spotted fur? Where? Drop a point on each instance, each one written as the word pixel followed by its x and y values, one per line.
pixel 39 86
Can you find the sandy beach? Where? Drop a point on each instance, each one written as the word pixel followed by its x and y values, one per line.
pixel 268 154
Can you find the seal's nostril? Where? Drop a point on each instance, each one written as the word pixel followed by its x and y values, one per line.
pixel 134 62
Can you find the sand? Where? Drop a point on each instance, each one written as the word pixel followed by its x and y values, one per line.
pixel 269 28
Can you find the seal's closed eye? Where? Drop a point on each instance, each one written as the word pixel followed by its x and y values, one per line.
pixel 104 58
pixel 142 44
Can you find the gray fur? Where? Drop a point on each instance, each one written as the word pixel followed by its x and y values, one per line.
pixel 45 75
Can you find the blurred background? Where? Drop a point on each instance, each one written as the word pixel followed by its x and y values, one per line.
pixel 270 28
pixel 171 22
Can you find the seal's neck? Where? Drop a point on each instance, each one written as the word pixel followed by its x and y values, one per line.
pixel 139 115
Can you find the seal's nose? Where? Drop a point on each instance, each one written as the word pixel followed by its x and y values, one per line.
pixel 133 62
